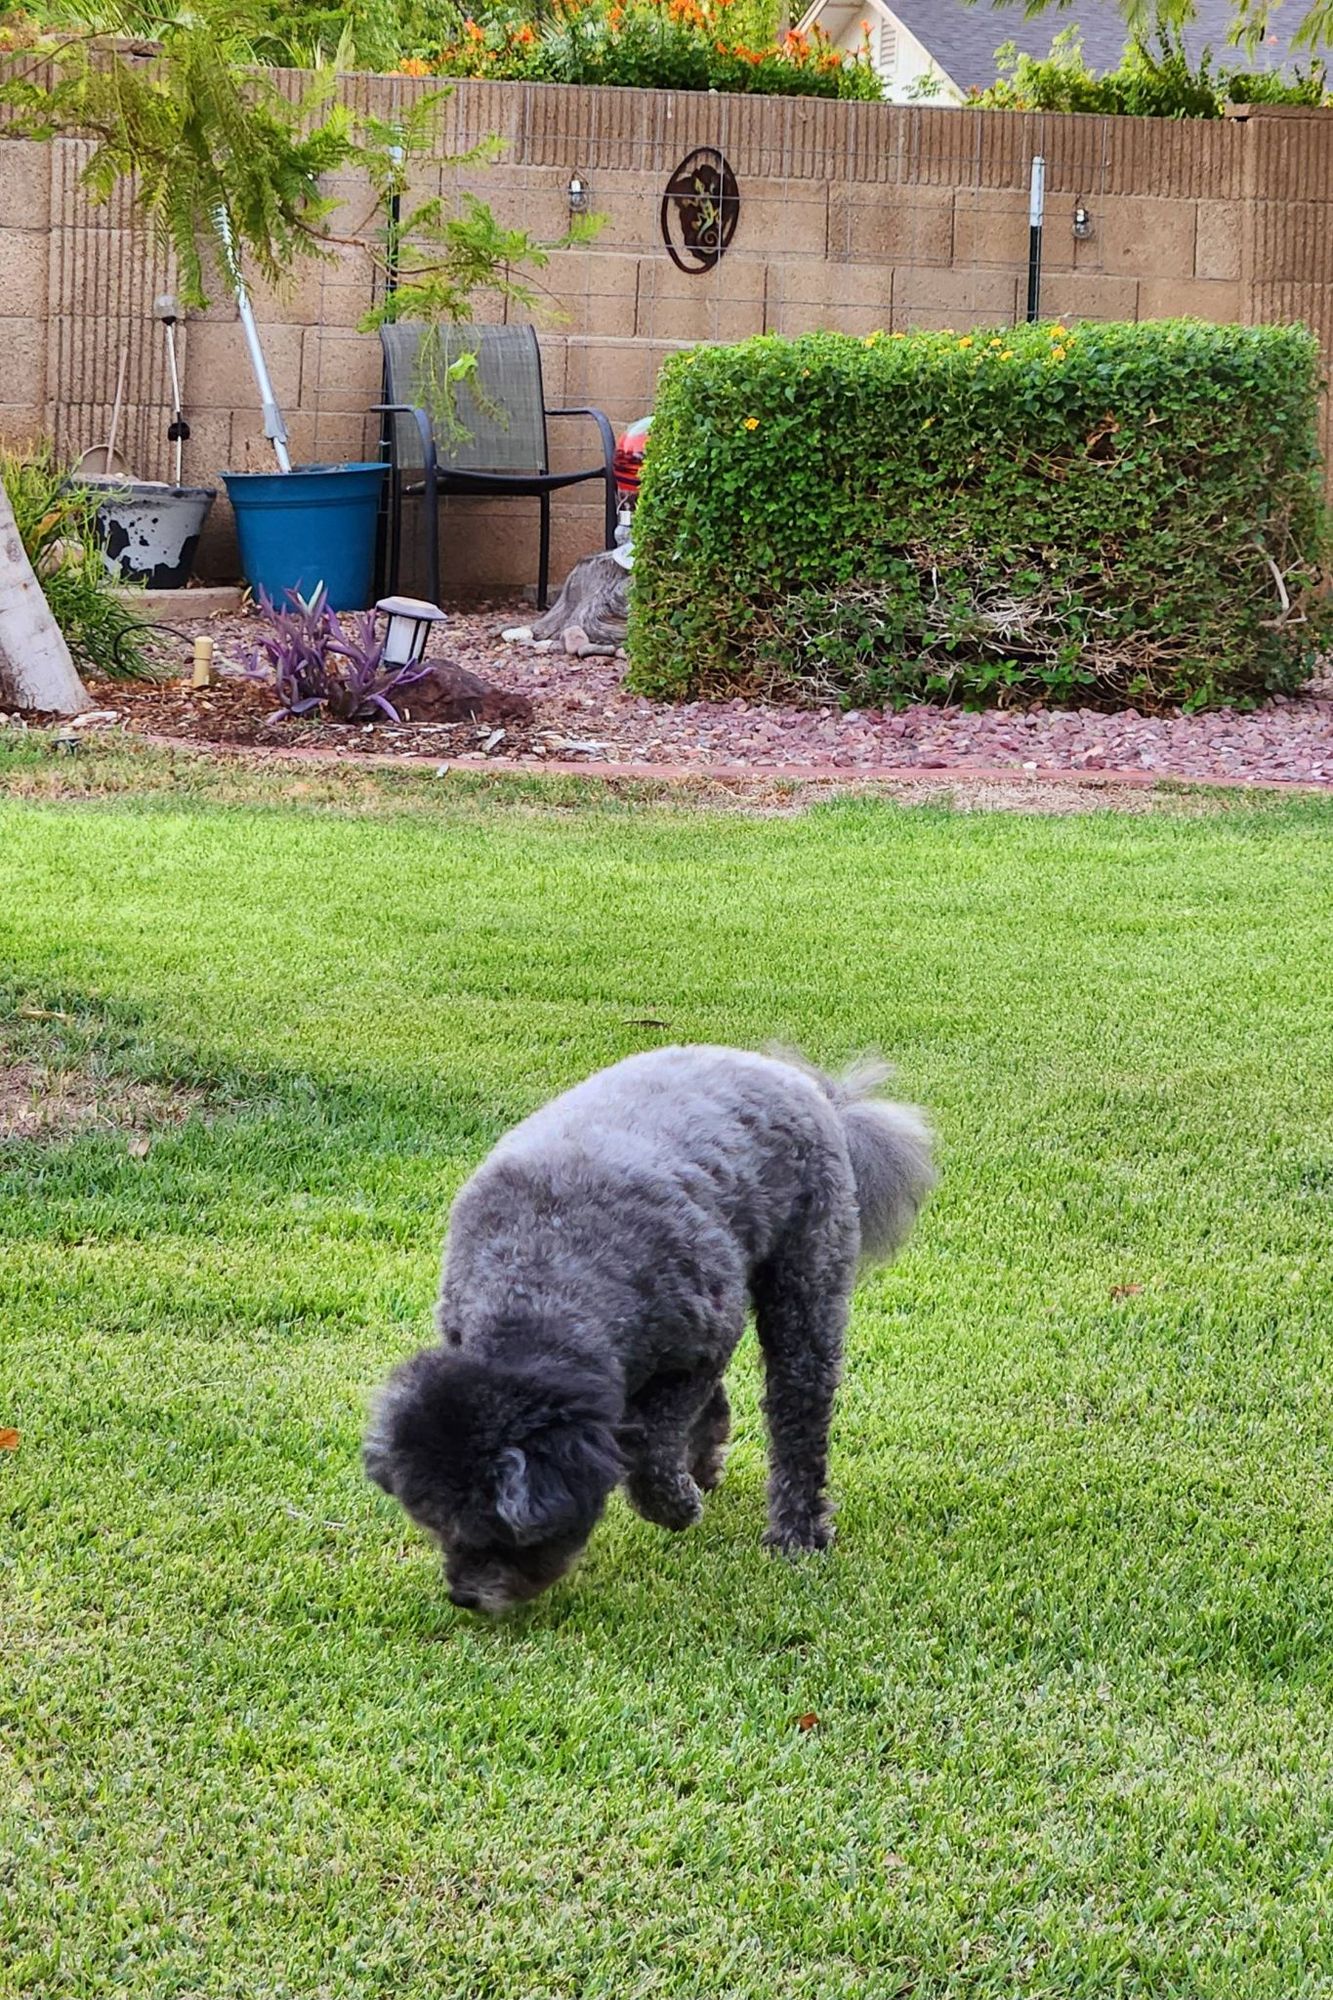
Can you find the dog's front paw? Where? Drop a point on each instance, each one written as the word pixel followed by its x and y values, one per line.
pixel 800 1538
pixel 677 1506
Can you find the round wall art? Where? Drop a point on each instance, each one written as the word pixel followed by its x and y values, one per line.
pixel 700 210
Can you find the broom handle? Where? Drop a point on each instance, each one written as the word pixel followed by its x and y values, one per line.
pixel 115 407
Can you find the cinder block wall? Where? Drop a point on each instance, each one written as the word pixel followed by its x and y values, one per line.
pixel 852 217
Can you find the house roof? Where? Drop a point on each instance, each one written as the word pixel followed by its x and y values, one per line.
pixel 963 37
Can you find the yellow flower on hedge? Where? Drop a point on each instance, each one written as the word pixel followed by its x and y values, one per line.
pixel 752 423
pixel 1057 354
pixel 1008 354
pixel 873 339
pixel 966 340
pixel 997 342
pixel 927 424
pixel 1059 332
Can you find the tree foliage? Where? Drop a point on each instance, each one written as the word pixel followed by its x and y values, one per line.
pixel 1154 79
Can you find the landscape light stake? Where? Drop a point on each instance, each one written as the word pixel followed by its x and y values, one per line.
pixel 1036 210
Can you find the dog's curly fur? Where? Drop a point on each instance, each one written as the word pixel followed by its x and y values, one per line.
pixel 598 1273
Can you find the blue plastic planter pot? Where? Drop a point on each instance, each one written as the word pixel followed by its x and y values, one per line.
pixel 312 525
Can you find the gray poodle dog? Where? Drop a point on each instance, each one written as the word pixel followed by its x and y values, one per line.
pixel 598 1273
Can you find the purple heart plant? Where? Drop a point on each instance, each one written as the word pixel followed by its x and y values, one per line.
pixel 315 660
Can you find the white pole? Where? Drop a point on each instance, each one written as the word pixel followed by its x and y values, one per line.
pixel 275 430
pixel 1036 215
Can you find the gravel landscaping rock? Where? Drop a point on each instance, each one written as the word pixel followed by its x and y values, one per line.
pixel 581 711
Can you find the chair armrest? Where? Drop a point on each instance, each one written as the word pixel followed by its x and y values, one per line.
pixel 603 423
pixel 424 427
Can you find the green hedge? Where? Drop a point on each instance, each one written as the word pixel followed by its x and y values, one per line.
pixel 1113 514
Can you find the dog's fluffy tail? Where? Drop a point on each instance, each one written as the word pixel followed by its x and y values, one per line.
pixel 890 1149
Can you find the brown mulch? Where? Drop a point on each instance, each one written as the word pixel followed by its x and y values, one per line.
pixel 583 716
pixel 239 714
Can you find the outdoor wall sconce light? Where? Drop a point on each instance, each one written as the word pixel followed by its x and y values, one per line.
pixel 578 194
pixel 410 620
pixel 1082 221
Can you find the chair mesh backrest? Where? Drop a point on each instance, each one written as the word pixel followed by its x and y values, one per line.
pixel 492 422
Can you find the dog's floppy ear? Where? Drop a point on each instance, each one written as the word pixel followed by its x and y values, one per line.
pixel 558 1480
pixel 533 1496
pixel 516 1501
pixel 378 1461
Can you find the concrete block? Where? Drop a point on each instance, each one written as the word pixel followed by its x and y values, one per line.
pixel 810 284
pixel 297 302
pixel 700 318
pixel 20 424
pixel 218 557
pixel 592 291
pixel 631 207
pixel 342 369
pixel 794 319
pixel 23 345
pixel 24 257
pixel 1079 295
pixel 1219 239
pixel 618 376
pixel 190 608
pixel 959 299
pixel 553 348
pixel 1195 298
pixel 25 185
pixel 990 227
pixel 1140 236
pixel 535 199
pixel 890 224
pixel 736 276
pixel 220 377
pixel 207 453
pixel 726 303
pixel 786 218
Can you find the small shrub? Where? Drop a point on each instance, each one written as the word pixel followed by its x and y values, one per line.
pixel 57 524
pixel 655 45
pixel 1117 514
pixel 314 659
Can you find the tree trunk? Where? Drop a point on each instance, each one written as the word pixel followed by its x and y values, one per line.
pixel 36 670
pixel 591 613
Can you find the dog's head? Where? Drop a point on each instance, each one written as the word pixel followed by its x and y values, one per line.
pixel 508 1465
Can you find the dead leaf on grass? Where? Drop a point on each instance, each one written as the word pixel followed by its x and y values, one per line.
pixel 805 1723
pixel 139 1146
pixel 1125 1291
pixel 9 1440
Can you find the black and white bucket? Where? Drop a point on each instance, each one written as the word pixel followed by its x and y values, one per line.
pixel 149 530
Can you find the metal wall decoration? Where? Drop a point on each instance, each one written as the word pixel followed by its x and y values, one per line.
pixel 700 210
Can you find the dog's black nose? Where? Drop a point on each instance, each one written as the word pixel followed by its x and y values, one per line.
pixel 465 1600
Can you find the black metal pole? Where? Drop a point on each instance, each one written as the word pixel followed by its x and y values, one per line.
pixel 1036 212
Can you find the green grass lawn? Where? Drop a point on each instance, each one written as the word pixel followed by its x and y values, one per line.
pixel 1072 1659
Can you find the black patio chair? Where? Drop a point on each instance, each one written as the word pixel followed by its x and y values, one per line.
pixel 492 442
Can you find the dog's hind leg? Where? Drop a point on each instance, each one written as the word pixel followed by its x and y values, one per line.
pixel 801 1296
pixel 708 1440
pixel 658 1444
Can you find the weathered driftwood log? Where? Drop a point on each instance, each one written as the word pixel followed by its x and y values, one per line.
pixel 591 614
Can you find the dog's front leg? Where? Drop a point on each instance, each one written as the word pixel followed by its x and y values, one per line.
pixel 657 1442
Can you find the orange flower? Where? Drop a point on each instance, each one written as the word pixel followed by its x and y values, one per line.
pixel 526 34
pixel 473 32
pixel 413 67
